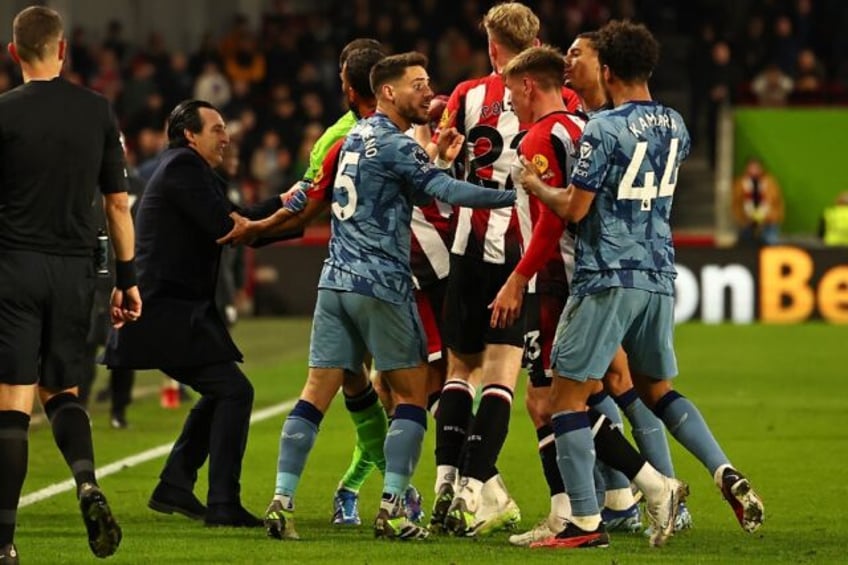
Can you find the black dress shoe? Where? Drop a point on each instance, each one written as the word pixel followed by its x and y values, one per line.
pixel 167 500
pixel 231 515
pixel 118 420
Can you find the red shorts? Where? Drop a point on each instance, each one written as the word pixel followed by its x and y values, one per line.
pixel 430 303
pixel 543 312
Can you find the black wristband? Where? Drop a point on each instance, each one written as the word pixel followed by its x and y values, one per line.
pixel 125 274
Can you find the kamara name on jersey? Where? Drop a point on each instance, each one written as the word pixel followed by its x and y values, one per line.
pixel 649 120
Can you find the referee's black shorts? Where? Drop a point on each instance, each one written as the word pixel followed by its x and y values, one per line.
pixel 45 312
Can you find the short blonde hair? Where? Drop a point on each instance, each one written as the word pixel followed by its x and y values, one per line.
pixel 544 63
pixel 512 24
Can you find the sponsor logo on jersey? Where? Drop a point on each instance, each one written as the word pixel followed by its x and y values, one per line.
pixel 541 163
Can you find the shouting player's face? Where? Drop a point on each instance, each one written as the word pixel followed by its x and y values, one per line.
pixel 582 69
pixel 413 95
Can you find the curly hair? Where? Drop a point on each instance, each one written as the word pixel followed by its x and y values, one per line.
pixel 628 49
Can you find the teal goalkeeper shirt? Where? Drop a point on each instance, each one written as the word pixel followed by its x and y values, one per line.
pixel 330 136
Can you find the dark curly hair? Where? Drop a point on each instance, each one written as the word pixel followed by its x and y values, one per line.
pixel 628 49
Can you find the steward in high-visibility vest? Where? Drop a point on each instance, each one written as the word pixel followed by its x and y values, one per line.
pixel 836 225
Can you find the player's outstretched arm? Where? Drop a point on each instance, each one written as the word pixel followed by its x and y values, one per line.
pixel 461 193
pixel 284 221
pixel 570 204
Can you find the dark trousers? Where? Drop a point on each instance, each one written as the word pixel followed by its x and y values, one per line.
pixel 216 427
pixel 121 384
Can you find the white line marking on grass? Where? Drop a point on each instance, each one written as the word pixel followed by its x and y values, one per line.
pixel 139 458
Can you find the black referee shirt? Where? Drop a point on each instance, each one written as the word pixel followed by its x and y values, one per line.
pixel 58 143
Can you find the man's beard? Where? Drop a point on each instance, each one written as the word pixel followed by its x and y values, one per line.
pixel 409 113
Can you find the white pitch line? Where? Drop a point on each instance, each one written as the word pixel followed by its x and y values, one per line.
pixel 139 458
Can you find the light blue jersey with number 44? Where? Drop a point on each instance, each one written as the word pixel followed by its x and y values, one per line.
pixel 629 157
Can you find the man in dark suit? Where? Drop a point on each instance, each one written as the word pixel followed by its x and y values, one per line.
pixel 183 210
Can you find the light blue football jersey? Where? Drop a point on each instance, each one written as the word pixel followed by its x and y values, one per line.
pixel 629 157
pixel 381 173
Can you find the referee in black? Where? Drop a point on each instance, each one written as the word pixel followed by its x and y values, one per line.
pixel 58 143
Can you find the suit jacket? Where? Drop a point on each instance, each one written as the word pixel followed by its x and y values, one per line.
pixel 183 210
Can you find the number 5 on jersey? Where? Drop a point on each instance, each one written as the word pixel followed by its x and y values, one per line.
pixel 344 187
pixel 648 191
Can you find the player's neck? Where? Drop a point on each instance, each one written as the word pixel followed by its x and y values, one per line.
pixel 365 109
pixel 402 123
pixel 548 103
pixel 636 92
pixel 593 99
pixel 40 71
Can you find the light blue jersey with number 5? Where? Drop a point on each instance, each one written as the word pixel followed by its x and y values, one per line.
pixel 629 157
pixel 380 174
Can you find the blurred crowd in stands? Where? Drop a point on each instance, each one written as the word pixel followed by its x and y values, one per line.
pixel 277 81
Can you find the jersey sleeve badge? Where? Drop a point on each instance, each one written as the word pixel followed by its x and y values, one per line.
pixel 446 119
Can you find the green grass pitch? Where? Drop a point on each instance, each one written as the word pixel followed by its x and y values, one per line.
pixel 776 397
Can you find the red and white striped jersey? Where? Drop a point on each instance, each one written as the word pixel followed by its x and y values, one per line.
pixel 431 232
pixel 481 109
pixel 551 145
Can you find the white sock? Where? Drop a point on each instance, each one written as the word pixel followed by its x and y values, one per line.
pixel 389 504
pixel 586 523
pixel 286 501
pixel 445 474
pixel 471 491
pixel 650 481
pixel 560 507
pixel 619 498
pixel 719 472
pixel 494 492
